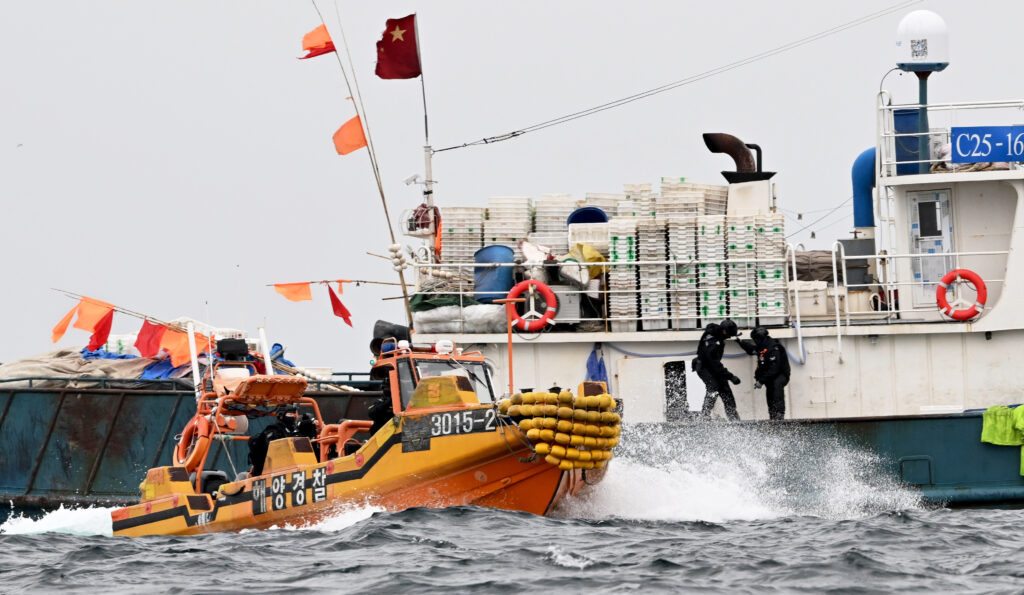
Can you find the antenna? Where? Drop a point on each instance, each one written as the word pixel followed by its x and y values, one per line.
pixel 922 44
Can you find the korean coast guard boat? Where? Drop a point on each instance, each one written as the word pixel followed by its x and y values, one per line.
pixel 900 336
pixel 437 438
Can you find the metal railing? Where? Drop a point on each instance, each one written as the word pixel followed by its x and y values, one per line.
pixel 940 116
pixel 884 303
pixel 680 282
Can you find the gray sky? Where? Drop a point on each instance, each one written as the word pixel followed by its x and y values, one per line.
pixel 173 157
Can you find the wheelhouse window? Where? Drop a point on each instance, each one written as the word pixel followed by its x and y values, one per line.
pixel 475 372
pixel 406 382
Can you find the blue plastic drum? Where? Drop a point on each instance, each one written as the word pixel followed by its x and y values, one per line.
pixel 493 283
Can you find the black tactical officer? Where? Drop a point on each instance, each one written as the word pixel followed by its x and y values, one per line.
pixel 772 369
pixel 708 365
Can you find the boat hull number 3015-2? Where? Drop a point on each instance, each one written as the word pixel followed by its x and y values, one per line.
pixel 984 144
pixel 462 422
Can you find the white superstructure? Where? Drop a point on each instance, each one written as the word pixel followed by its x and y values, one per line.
pixel 877 346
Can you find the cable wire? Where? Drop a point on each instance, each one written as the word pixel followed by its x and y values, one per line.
pixel 690 79
pixel 833 210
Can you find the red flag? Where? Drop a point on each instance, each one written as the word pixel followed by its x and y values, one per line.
pixel 349 137
pixel 317 42
pixel 339 308
pixel 148 341
pixel 398 55
pixel 101 332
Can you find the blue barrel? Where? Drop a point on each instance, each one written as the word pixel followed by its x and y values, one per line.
pixel 587 215
pixel 492 283
pixel 907 149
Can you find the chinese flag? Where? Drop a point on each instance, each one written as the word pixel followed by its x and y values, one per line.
pixel 339 308
pixel 148 341
pixel 398 55
pixel 296 292
pixel 317 42
pixel 348 138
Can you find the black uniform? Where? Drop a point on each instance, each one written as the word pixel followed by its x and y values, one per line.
pixel 772 370
pixel 708 365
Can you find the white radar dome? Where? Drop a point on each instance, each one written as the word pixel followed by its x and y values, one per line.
pixel 922 42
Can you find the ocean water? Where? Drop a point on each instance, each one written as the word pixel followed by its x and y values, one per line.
pixel 725 508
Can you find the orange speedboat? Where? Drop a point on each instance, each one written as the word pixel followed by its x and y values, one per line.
pixel 442 440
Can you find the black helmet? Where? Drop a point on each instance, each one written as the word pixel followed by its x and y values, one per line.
pixel 728 327
pixel 759 335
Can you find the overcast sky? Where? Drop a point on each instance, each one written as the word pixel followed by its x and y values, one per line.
pixel 174 157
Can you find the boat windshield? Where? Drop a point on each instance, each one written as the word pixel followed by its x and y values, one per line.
pixel 475 371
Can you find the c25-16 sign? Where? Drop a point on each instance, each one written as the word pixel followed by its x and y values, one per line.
pixel 982 144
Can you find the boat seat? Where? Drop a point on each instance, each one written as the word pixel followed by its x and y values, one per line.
pixel 269 391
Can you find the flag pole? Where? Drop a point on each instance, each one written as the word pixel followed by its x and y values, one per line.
pixel 428 153
pixel 369 141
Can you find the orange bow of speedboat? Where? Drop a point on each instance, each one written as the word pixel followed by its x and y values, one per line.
pixel 438 438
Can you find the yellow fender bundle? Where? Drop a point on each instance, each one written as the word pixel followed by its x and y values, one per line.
pixel 569 432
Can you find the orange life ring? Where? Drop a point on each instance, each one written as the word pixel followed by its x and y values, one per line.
pixel 972 278
pixel 199 429
pixel 538 323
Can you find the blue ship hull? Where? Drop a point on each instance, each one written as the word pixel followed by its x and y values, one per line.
pixel 93 446
pixel 941 455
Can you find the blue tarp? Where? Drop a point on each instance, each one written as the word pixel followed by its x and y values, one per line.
pixel 277 355
pixel 596 371
pixel 102 353
pixel 161 369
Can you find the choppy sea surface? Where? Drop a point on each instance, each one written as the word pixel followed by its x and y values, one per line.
pixel 744 508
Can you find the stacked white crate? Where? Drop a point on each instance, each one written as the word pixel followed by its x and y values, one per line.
pixel 642 197
pixel 604 201
pixel 654 295
pixel 508 222
pixel 551 212
pixel 680 214
pixel 622 277
pixel 705 199
pixel 714 301
pixel 462 233
pixel 771 276
pixel 461 236
pixel 594 235
pixel 740 246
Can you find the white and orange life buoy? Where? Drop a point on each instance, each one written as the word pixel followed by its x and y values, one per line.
pixel 538 320
pixel 187 454
pixel 972 278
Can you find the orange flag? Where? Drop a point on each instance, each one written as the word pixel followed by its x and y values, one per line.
pixel 317 42
pixel 62 326
pixel 296 292
pixel 176 344
pixel 349 137
pixel 341 285
pixel 90 312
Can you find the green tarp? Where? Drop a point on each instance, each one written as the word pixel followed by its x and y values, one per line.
pixel 422 303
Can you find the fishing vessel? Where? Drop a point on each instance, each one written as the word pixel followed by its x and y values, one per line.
pixel 901 336
pixel 437 438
